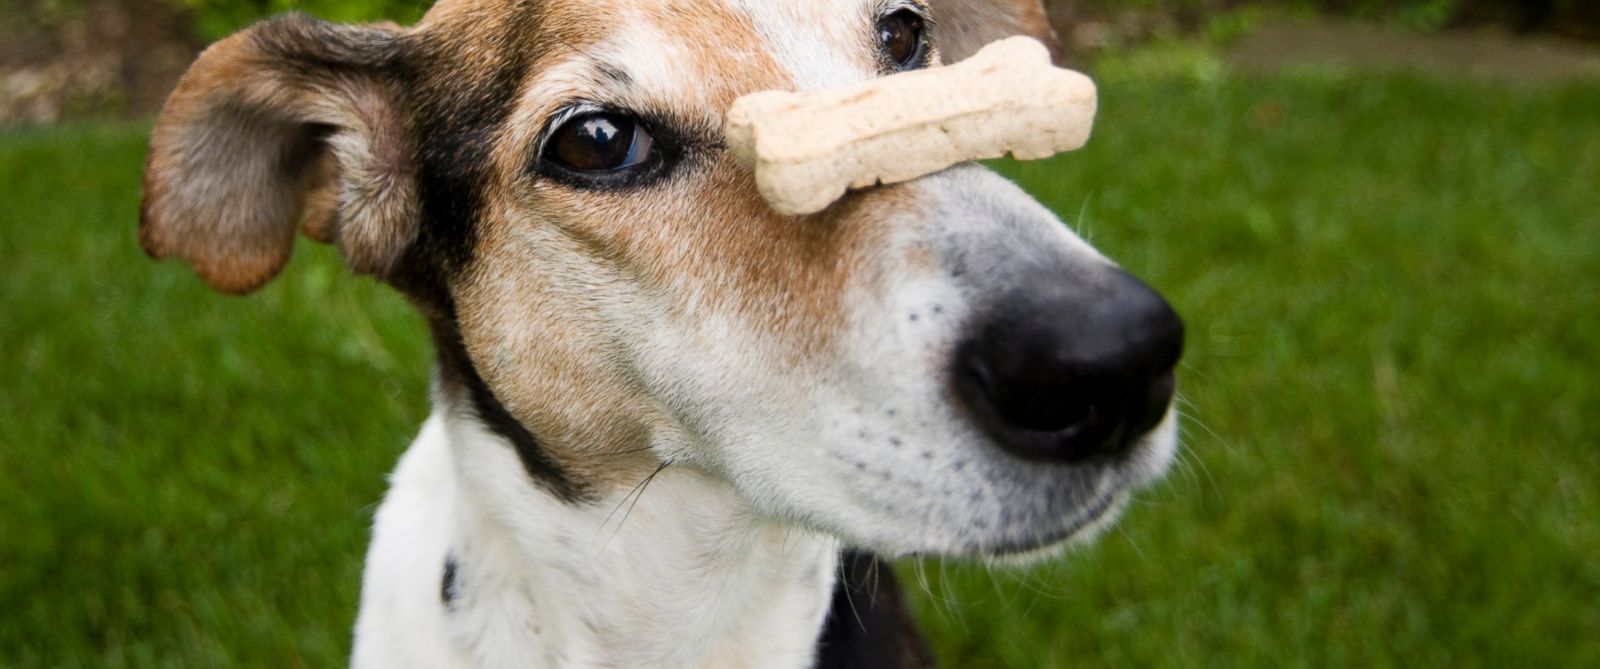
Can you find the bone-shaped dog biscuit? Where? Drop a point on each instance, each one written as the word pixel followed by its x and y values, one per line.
pixel 807 148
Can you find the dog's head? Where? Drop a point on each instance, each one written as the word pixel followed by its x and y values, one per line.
pixel 936 366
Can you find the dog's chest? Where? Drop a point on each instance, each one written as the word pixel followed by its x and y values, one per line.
pixel 635 613
pixel 681 582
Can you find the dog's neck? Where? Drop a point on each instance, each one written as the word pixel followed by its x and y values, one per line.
pixel 678 574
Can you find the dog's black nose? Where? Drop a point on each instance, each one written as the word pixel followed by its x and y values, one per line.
pixel 1066 369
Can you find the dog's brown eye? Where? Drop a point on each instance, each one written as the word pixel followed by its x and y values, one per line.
pixel 900 35
pixel 599 142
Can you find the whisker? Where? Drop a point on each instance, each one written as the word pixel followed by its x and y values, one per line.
pixel 849 596
pixel 1133 543
pixel 1029 579
pixel 636 499
pixel 635 493
pixel 872 575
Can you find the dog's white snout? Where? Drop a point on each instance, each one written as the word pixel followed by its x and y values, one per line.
pixel 1004 388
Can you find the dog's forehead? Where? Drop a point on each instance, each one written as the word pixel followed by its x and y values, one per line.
pixel 678 47
pixel 673 50
pixel 683 59
pixel 818 43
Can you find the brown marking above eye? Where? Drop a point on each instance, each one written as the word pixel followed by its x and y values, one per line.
pixel 600 142
pixel 901 38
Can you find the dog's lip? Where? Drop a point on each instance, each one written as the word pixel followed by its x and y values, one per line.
pixel 1103 504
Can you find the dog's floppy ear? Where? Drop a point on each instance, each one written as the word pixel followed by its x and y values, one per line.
pixel 964 26
pixel 291 119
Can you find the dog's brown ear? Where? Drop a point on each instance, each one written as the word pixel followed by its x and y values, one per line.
pixel 961 27
pixel 290 120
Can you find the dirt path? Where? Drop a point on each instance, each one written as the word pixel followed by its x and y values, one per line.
pixel 1478 54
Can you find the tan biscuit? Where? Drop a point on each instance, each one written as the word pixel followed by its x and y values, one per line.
pixel 808 148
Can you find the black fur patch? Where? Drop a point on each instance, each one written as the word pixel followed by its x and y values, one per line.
pixel 457 371
pixel 458 102
pixel 447 585
pixel 463 100
pixel 868 623
pixel 458 377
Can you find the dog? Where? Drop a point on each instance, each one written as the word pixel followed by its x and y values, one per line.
pixel 671 427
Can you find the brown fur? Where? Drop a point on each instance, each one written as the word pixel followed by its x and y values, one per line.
pixel 238 144
pixel 967 25
pixel 344 129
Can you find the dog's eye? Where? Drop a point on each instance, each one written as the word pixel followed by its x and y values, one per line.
pixel 599 142
pixel 901 37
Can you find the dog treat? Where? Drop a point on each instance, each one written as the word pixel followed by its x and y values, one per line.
pixel 807 148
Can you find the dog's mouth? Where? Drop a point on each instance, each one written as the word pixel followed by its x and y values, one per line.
pixel 1071 505
pixel 1082 524
pixel 1145 462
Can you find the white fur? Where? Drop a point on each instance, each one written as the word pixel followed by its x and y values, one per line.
pixel 679 573
pixel 817 41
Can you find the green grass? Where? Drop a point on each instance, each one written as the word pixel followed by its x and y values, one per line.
pixel 1392 455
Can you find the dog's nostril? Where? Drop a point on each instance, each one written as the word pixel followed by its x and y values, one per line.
pixel 1035 400
pixel 1050 416
pixel 1147 411
pixel 1070 373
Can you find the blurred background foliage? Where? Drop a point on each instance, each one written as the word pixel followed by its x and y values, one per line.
pixel 76 58
pixel 215 18
pixel 211 19
pixel 1573 18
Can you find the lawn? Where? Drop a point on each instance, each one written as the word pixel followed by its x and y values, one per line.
pixel 1392 452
